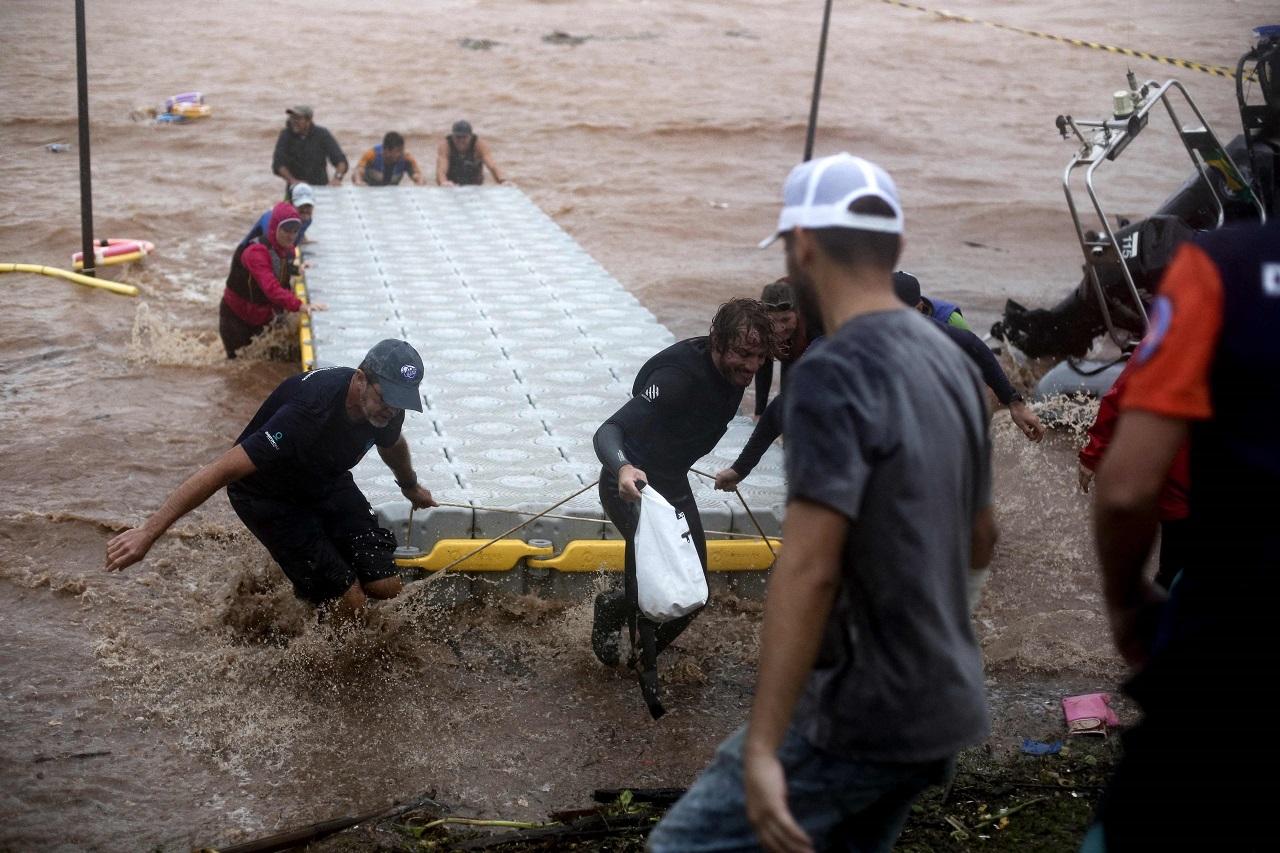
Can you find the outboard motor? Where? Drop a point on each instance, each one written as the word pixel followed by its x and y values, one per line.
pixel 1232 183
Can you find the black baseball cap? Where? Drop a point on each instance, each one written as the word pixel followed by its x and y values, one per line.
pixel 462 127
pixel 396 368
pixel 907 287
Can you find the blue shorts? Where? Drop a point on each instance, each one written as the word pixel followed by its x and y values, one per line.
pixel 843 804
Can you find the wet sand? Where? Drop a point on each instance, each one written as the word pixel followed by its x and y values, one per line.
pixel 191 700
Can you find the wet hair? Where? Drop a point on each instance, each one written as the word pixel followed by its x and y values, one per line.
pixel 737 319
pixel 392 140
pixel 851 247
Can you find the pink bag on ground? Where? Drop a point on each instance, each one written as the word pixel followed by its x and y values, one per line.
pixel 1089 714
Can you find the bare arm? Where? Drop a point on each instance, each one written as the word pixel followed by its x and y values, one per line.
pixel 985 535
pixel 1129 480
pixel 442 165
pixel 132 545
pixel 397 458
pixel 482 148
pixel 801 593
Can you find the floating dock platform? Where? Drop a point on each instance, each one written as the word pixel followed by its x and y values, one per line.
pixel 528 344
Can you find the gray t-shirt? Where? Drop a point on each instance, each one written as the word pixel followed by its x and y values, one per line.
pixel 886 424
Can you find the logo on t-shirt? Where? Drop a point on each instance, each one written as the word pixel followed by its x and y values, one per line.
pixel 1271 279
pixel 650 393
pixel 409 372
pixel 274 440
pixel 1161 317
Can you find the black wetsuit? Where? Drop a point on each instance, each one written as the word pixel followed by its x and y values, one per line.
pixel 466 168
pixel 769 426
pixel 680 408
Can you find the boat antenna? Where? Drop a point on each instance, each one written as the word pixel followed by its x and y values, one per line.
pixel 817 83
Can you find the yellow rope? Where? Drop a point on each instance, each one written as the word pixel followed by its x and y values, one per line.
pixel 1215 70
pixel 577 518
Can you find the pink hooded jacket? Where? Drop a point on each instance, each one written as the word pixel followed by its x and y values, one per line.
pixel 257 260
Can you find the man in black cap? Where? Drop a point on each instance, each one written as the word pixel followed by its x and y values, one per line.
pixel 302 148
pixel 289 479
pixel 461 157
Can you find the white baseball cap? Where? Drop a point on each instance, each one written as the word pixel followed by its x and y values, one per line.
pixel 818 193
pixel 301 194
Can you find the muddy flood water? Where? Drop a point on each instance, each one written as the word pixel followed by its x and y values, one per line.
pixel 191 700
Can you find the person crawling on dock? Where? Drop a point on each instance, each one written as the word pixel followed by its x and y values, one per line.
pixel 303 148
pixel 289 479
pixel 258 283
pixel 682 401
pixel 386 164
pixel 461 158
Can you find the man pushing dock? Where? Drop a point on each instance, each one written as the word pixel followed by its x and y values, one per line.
pixel 289 479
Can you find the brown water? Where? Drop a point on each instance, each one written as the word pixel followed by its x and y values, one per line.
pixel 191 700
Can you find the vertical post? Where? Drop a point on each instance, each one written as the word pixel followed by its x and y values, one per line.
pixel 86 189
pixel 817 84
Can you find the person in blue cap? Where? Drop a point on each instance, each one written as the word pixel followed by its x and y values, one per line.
pixel 288 477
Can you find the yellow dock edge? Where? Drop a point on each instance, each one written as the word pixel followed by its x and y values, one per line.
pixel 307 351
pixel 580 555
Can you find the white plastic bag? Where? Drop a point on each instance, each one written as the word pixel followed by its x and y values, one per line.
pixel 669 577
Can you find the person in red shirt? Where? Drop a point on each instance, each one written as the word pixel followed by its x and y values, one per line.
pixel 1173 504
pixel 258 283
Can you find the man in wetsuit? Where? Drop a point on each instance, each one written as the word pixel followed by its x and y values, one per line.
pixel 682 401
pixel 289 479
pixel 907 289
pixel 1205 657
pixel 461 158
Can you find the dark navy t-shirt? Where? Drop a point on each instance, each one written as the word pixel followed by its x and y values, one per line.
pixel 887 425
pixel 302 441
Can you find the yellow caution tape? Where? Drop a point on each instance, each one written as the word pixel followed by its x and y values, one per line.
pixel 1216 70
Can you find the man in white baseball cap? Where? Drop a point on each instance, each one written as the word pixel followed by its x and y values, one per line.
pixel 870 678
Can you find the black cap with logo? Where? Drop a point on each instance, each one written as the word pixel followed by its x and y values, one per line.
pixel 396 368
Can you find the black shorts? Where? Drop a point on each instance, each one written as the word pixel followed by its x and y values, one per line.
pixel 323 547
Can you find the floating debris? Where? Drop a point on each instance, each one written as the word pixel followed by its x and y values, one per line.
pixel 561 37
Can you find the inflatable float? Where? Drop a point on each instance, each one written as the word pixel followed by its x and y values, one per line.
pixel 110 252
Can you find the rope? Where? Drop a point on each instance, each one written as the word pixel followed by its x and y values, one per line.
pixel 1215 70
pixel 750 514
pixel 575 518
pixel 431 577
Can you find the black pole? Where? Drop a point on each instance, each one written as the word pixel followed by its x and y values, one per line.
pixel 817 84
pixel 86 190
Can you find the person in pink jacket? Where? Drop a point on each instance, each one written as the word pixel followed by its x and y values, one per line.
pixel 258 283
